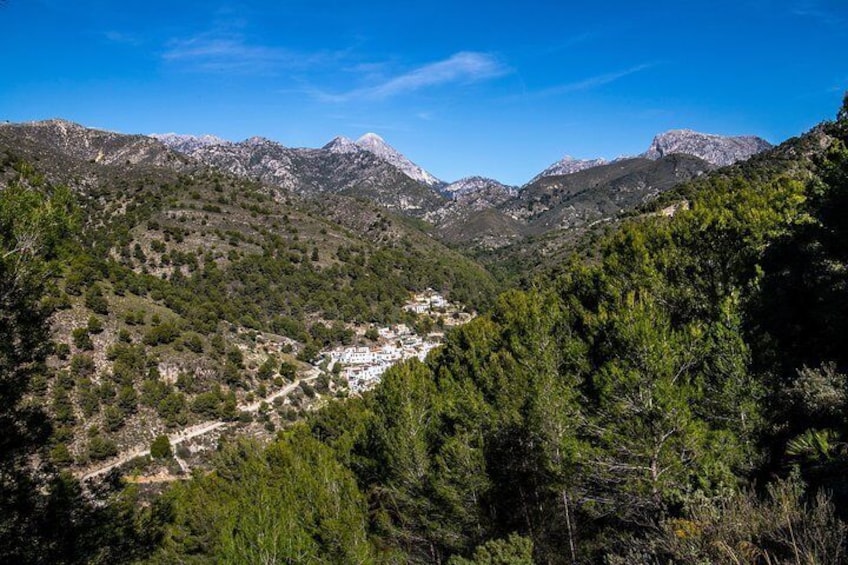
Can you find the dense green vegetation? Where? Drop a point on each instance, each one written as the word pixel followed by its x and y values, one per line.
pixel 178 295
pixel 43 516
pixel 678 397
pixel 638 408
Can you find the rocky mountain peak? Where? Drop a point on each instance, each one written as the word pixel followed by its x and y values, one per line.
pixel 93 145
pixel 188 143
pixel 376 145
pixel 473 184
pixel 342 145
pixel 715 149
pixel 568 165
pixel 258 141
pixel 372 139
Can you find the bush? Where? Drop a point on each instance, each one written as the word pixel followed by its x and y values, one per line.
pixel 266 370
pixel 161 448
pixel 82 340
pixel 307 389
pixel 288 371
pixel 193 343
pixel 113 418
pixel 100 448
pixel 163 333
pixel 207 404
pixel 62 350
pixel 60 455
pixel 95 300
pixel 95 325
pixel 82 365
pixel 783 527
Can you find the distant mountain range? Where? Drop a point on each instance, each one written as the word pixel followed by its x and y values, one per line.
pixel 368 168
pixel 568 165
pixel 714 149
pixel 473 211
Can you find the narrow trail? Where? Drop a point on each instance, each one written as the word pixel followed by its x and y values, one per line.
pixel 186 434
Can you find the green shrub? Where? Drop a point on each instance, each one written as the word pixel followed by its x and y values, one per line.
pixel 161 448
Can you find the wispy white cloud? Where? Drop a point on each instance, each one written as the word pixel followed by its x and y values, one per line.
pixel 592 82
pixel 465 67
pixel 822 11
pixel 231 52
pixel 122 38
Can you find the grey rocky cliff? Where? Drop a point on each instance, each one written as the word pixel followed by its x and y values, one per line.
pixel 187 143
pixel 715 149
pixel 341 166
pixel 94 145
pixel 568 165
pixel 375 144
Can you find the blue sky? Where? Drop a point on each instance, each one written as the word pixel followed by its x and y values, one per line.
pixel 499 89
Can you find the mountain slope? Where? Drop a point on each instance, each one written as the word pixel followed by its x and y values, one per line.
pixel 339 167
pixel 601 192
pixel 184 282
pixel 375 144
pixel 568 165
pixel 74 145
pixel 715 149
pixel 472 216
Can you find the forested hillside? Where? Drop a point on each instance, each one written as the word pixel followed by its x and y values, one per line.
pixel 143 293
pixel 675 394
pixel 679 399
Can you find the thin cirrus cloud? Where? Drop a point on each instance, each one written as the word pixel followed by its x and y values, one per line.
pixel 821 11
pixel 122 38
pixel 593 81
pixel 212 52
pixel 460 68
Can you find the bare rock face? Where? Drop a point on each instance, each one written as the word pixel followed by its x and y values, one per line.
pixel 342 145
pixel 372 170
pixel 93 145
pixel 568 165
pixel 468 195
pixel 715 149
pixel 375 144
pixel 188 143
pixel 477 187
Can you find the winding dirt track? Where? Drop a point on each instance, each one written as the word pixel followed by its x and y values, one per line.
pixel 184 434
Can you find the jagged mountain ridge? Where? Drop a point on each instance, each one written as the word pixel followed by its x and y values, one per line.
pixel 187 143
pixel 715 149
pixel 599 193
pixel 471 211
pixel 370 142
pixel 571 201
pixel 341 166
pixel 81 144
pixel 568 165
pixel 718 150
pixel 475 185
pixel 377 145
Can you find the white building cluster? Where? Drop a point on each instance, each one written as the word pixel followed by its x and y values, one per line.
pixel 362 367
pixel 427 301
